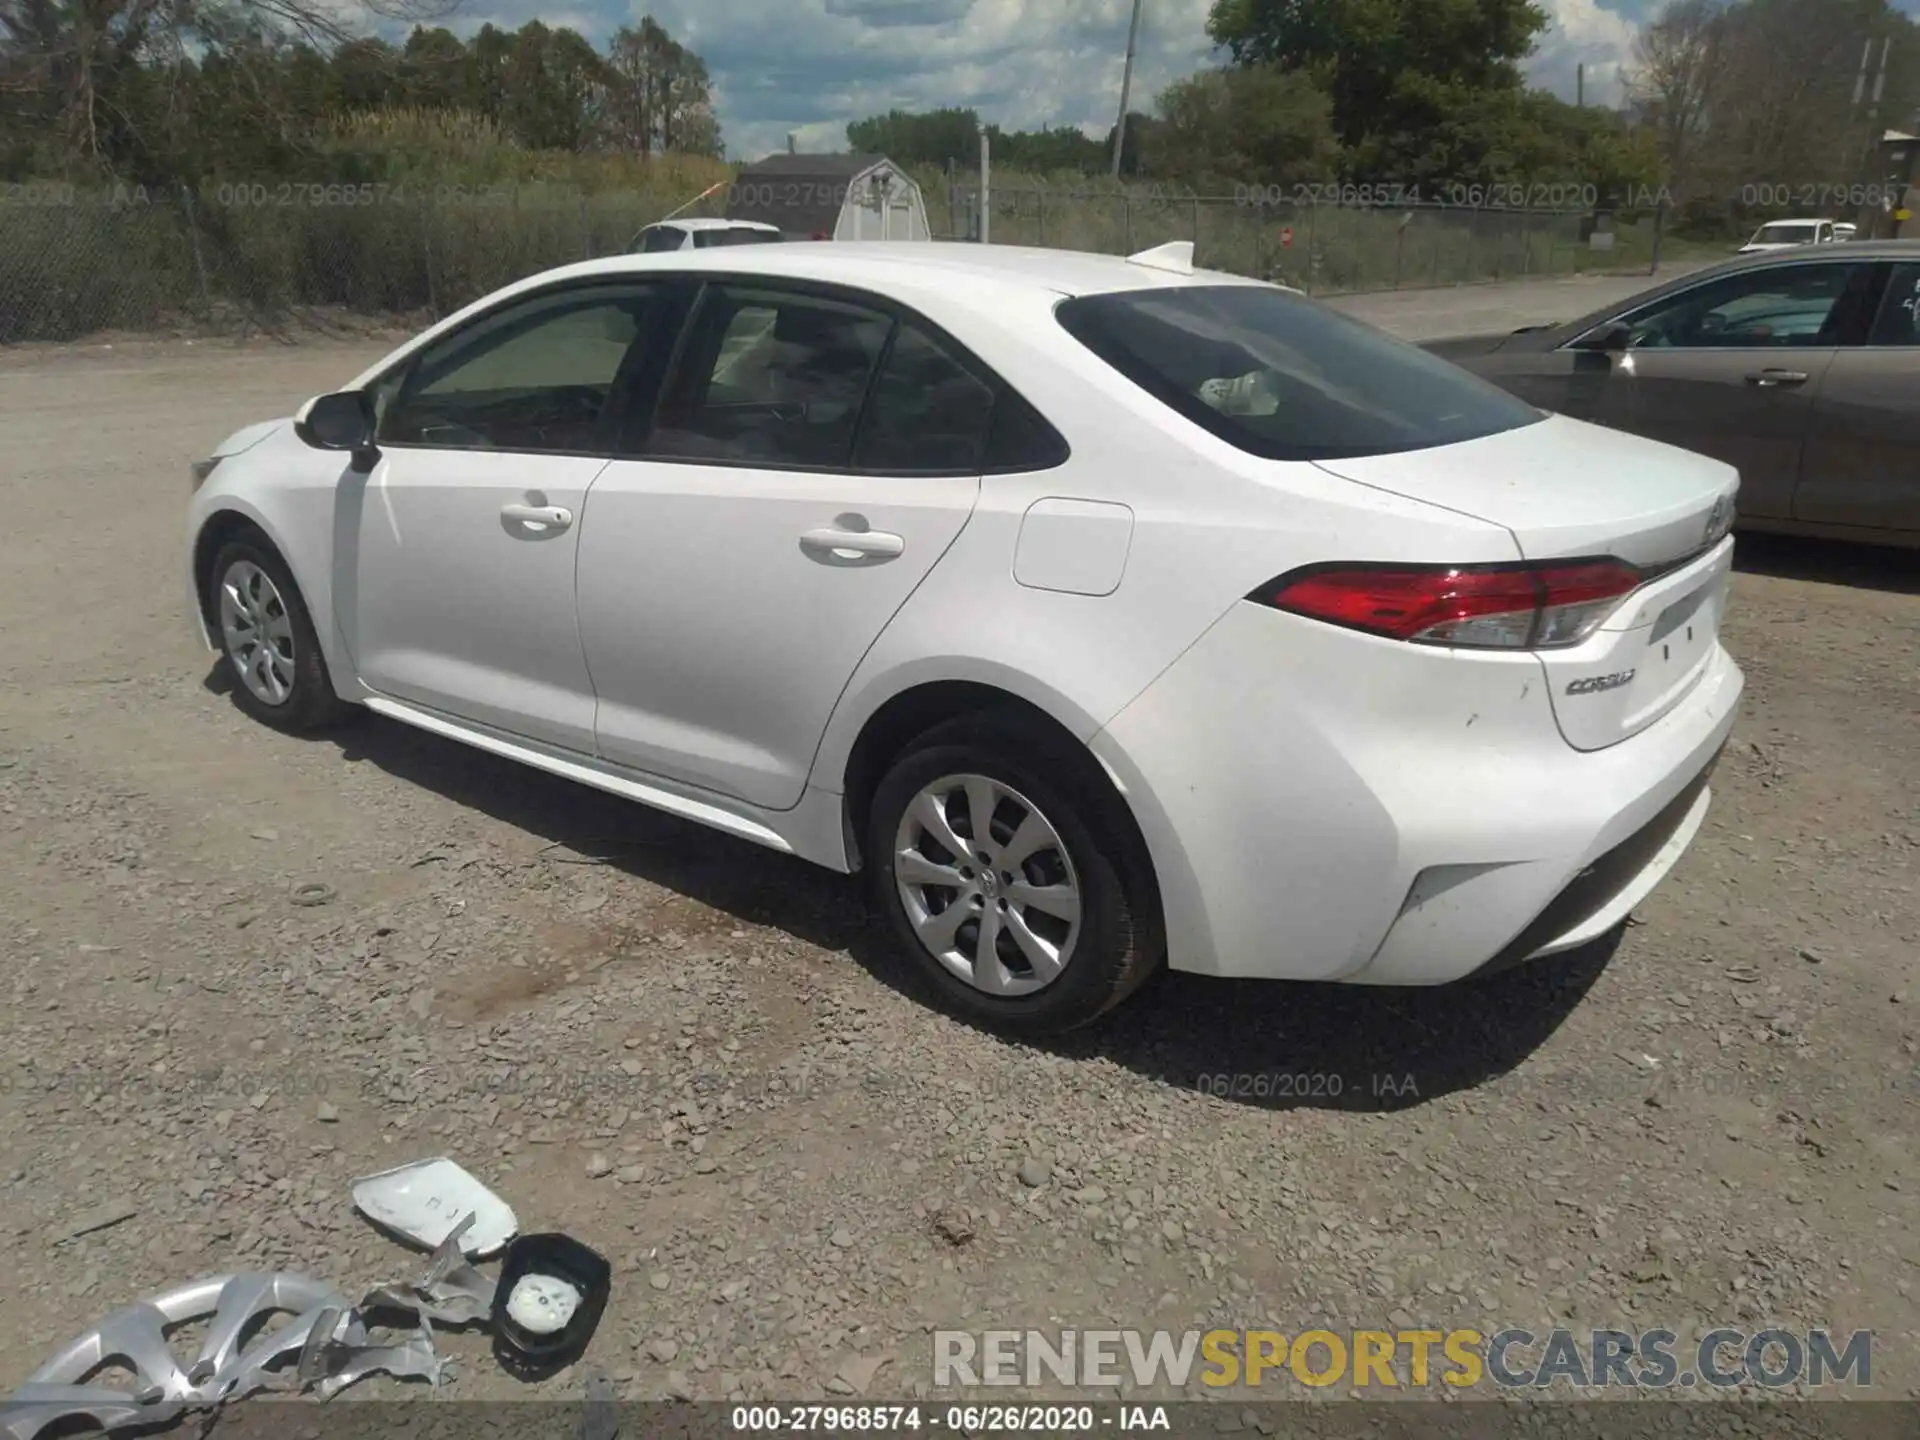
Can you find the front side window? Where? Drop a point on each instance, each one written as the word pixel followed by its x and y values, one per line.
pixel 1787 305
pixel 769 377
pixel 1284 378
pixel 536 375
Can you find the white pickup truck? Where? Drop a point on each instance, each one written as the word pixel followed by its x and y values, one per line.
pixel 1785 234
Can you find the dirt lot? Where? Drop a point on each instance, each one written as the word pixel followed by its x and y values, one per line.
pixel 689 1052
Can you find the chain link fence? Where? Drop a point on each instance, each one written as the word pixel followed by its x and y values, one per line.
pixel 280 258
pixel 1322 248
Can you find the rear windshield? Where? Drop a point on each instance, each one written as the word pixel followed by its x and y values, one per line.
pixel 1284 378
pixel 707 239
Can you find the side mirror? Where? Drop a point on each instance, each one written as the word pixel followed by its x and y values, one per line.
pixel 341 421
pixel 1614 339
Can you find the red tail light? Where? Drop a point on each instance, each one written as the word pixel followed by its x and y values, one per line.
pixel 1488 607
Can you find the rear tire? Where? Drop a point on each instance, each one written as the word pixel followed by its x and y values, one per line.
pixel 1050 921
pixel 267 640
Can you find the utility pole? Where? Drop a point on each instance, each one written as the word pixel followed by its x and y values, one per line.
pixel 1126 89
pixel 1872 157
pixel 1580 86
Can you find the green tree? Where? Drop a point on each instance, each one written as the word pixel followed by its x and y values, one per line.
pixel 1248 124
pixel 910 138
pixel 1393 69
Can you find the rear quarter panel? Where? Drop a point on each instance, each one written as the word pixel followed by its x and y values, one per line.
pixel 1210 524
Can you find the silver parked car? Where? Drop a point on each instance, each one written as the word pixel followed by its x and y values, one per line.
pixel 1800 367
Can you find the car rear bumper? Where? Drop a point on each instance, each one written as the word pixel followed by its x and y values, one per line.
pixel 1326 806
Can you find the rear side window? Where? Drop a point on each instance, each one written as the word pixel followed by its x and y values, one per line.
pixel 771 378
pixel 1278 376
pixel 1899 320
pixel 927 412
pixel 663 237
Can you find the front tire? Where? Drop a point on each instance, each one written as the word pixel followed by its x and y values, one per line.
pixel 267 640
pixel 1013 877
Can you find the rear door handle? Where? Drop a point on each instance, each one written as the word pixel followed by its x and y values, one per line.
pixel 1767 379
pixel 877 544
pixel 557 517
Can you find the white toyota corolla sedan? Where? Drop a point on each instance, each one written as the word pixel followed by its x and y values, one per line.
pixel 1106 612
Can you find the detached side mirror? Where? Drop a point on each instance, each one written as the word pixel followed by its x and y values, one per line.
pixel 341 421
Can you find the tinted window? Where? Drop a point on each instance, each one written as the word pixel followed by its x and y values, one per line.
pixel 1022 439
pixel 709 239
pixel 770 378
pixel 535 375
pixel 1784 305
pixel 1783 235
pixel 663 237
pixel 928 412
pixel 1898 322
pixel 1284 378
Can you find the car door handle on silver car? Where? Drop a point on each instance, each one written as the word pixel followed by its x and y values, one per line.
pixel 834 544
pixel 557 517
pixel 1768 379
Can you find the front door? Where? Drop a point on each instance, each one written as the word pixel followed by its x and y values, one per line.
pixel 455 580
pixel 786 503
pixel 1729 368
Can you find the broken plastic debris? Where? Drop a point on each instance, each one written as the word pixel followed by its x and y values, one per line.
pixel 414 1359
pixel 451 1291
pixel 136 1337
pixel 424 1201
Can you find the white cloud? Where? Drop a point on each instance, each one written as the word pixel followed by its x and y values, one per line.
pixel 811 66
pixel 1583 32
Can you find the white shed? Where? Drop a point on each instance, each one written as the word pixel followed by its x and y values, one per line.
pixel 831 197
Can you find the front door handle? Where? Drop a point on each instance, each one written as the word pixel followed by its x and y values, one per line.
pixel 1767 379
pixel 556 517
pixel 853 544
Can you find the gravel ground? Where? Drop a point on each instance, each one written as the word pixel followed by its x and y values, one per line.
pixel 690 1053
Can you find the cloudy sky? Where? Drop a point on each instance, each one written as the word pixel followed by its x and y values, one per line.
pixel 810 66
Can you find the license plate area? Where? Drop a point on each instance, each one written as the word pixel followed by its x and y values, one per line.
pixel 1643 662
pixel 1678 646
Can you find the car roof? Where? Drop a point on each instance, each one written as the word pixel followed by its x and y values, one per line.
pixel 908 266
pixel 1769 224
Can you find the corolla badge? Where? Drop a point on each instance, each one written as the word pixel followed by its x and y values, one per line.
pixel 1594 684
pixel 1719 521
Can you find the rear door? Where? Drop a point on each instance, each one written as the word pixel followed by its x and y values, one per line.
pixel 813 455
pixel 1862 461
pixel 1729 368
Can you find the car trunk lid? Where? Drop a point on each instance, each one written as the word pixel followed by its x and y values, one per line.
pixel 1661 509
